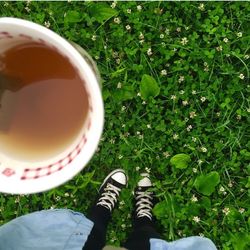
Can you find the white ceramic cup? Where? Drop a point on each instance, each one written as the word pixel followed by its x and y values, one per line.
pixel 24 177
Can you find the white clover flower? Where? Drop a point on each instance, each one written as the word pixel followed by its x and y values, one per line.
pixel 27 9
pixel 112 141
pixel 175 136
pixel 226 210
pixel 238 117
pixel 97 57
pixel 182 92
pixel 148 170
pixel 139 8
pixel 149 52
pixel 178 29
pixel 144 103
pixel 241 210
pixel 185 103
pixel 194 198
pixel 179 232
pixel 241 76
pixel 203 98
pixel 123 108
pixel 148 126
pixel 128 27
pixel 164 72
pixel 225 40
pixel 93 38
pixel 113 5
pixel 222 189
pixel 118 60
pixel 200 162
pixel 181 79
pixel 129 11
pixel 120 157
pixel 117 20
pixel 196 219
pixel 203 149
pixel 219 48
pixel 161 36
pixel 195 170
pixel 137 169
pixel 194 139
pixel 138 94
pixel 201 7
pixel 184 41
pixel 230 184
pixel 206 69
pixel 189 127
pixel 166 154
pixel 167 31
pixel 66 194
pixel 115 54
pixel 239 34
pixel 218 114
pixel 47 24
pixel 192 114
pixel 138 132
pixel 58 198
pixel 140 137
pixel 127 134
pixel 194 92
pixel 119 85
pixel 173 97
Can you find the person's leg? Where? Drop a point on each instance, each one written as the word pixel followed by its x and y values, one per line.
pixel 100 213
pixel 143 220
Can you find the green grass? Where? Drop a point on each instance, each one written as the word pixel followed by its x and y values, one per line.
pixel 199 63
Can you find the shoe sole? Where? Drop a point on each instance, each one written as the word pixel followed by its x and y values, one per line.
pixel 111 173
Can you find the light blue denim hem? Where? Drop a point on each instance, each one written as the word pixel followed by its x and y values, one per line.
pixel 56 229
pixel 189 243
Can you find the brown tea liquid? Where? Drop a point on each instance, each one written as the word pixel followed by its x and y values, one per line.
pixel 43 104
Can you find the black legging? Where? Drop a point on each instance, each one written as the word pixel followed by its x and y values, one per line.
pixel 144 229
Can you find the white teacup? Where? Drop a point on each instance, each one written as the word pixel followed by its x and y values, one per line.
pixel 24 177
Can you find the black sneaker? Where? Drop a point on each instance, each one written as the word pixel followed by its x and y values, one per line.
pixel 144 199
pixel 111 188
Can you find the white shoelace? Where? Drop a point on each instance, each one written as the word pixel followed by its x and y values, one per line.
pixel 144 205
pixel 109 196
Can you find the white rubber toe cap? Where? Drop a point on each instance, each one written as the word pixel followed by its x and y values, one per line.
pixel 120 177
pixel 145 181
